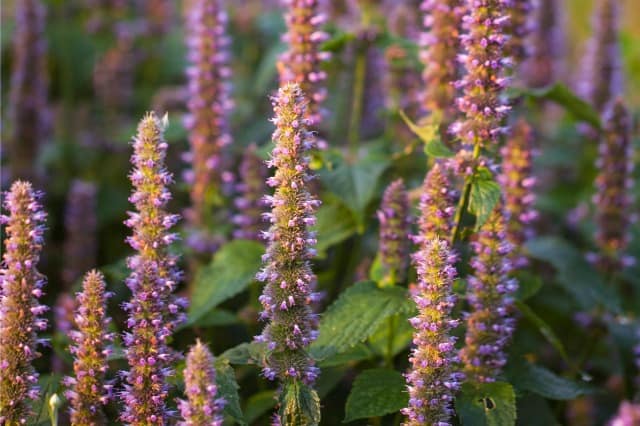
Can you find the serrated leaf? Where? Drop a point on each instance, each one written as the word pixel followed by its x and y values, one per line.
pixel 232 269
pixel 355 316
pixel 228 389
pixel 485 194
pixel 429 133
pixel 487 404
pixel 562 95
pixel 335 223
pixel 299 405
pixel 541 381
pixel 375 393
pixel 245 353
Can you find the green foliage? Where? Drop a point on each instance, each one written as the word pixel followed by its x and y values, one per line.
pixel 228 389
pixel 536 379
pixel 429 134
pixel 562 95
pixel 335 223
pixel 376 392
pixel 485 194
pixel 487 404
pixel 299 405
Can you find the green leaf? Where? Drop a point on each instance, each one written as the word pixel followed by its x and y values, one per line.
pixel 335 223
pixel 485 194
pixel 575 274
pixel 562 95
pixel 375 393
pixel 528 285
pixel 355 316
pixel 337 42
pixel 487 404
pixel 429 133
pixel 216 318
pixel 359 352
pixel 544 329
pixel 401 333
pixel 259 404
pixel 232 269
pixel 541 381
pixel 228 388
pixel 245 353
pixel 299 405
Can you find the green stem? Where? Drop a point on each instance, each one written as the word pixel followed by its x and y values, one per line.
pixel 357 101
pixel 389 355
pixel 464 200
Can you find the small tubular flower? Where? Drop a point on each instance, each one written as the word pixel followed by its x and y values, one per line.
pixel 250 204
pixel 80 246
pixel 436 205
pixel 613 184
pixel 544 62
pixel 394 232
pixel 301 62
pixel 209 107
pixel 20 312
pixel 490 294
pixel 517 183
pixel 153 310
pixel 88 392
pixel 290 282
pixel 202 406
pixel 486 60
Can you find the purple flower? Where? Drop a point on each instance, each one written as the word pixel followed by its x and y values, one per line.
pixel 153 310
pixel 88 392
pixel 490 294
pixel 613 185
pixel 290 282
pixel 104 14
pixel 113 73
pixel 518 29
pixel 394 232
pixel 517 184
pixel 436 206
pixel 602 66
pixel 628 415
pixel 250 203
pixel 485 60
pixel 20 312
pixel 209 106
pixel 202 407
pixel 28 107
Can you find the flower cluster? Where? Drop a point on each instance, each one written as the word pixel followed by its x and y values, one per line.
pixel 485 62
pixel 28 112
pixel 202 407
pixel 542 66
pixel 288 294
pixel 613 183
pixel 21 287
pixel 250 203
pixel 394 232
pixel 113 73
pixel 628 415
pixel 518 29
pixel 436 205
pixel 104 14
pixel 88 392
pixel 517 183
pixel 153 311
pixel 490 294
pixel 301 62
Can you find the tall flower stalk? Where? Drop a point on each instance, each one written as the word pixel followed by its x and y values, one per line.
pixel 20 311
pixel 202 406
pixel 153 310
pixel 544 62
pixel 251 189
pixel 394 232
pixel 433 379
pixel 28 112
pixel 290 282
pixel 209 106
pixel 88 392
pixel 518 29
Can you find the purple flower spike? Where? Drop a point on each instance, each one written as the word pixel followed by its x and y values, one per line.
pixel 209 106
pixel 490 294
pixel 394 232
pixel 602 65
pixel 202 407
pixel 28 107
pixel 88 392
pixel 628 415
pixel 303 58
pixel 613 185
pixel 439 46
pixel 250 203
pixel 436 206
pixel 517 184
pixel 20 312
pixel 518 29
pixel 80 246
pixel 290 282
pixel 153 310
pixel 485 60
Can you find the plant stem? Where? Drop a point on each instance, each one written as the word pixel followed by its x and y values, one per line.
pixel 389 355
pixel 464 200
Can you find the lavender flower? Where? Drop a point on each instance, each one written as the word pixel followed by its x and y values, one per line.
pixel 301 62
pixel 21 287
pixel 289 279
pixel 28 112
pixel 613 183
pixel 628 415
pixel 113 73
pixel 485 60
pixel 436 206
pixel 602 79
pixel 439 45
pixel 153 311
pixel 103 14
pixel 490 294
pixel 517 183
pixel 201 407
pixel 518 29
pixel 80 248
pixel 88 392
pixel 250 203
pixel 209 105
pixel 394 232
